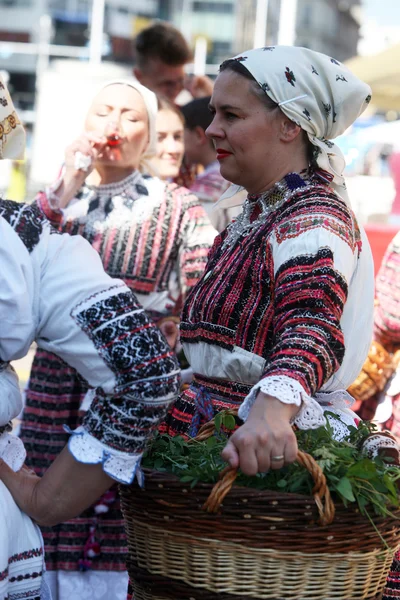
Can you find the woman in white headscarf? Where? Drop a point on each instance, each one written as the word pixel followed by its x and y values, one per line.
pixel 154 236
pixel 281 321
pixel 53 290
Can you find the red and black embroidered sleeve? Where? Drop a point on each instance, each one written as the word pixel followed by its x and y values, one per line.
pixel 308 340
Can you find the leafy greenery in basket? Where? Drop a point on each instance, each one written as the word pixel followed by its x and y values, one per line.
pixel 350 475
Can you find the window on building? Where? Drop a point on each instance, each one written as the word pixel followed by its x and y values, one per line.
pixel 221 47
pixel 70 32
pixel 70 5
pixel 213 7
pixel 16 3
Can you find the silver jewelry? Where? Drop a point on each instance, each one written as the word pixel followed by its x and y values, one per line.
pixel 277 458
pixel 82 161
pixel 241 226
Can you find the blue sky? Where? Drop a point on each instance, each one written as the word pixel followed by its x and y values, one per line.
pixel 385 12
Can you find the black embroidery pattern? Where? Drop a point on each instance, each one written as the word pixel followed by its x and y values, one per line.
pixel 265 87
pixel 27 221
pixel 328 143
pixel 145 369
pixel 327 108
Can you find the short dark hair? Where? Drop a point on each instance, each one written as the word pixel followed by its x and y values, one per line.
pixel 162 41
pixel 237 67
pixel 197 113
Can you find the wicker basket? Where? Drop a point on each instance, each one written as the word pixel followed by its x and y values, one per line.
pixel 378 367
pixel 226 542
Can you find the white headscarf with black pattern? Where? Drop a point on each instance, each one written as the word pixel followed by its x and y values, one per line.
pixel 315 91
pixel 12 134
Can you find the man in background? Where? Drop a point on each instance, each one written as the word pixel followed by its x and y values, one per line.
pixel 161 53
pixel 209 185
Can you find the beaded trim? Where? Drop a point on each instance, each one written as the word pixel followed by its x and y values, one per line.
pixel 268 202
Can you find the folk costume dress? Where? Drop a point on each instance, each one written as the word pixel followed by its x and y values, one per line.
pixel 54 290
pixel 277 309
pixel 156 238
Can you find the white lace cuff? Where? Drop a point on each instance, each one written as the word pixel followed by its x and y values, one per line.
pixel 288 391
pixel 121 466
pixel 12 451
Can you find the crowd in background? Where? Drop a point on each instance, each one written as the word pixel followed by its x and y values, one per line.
pixel 143 186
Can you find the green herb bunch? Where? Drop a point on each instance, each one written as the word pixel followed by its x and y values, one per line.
pixel 350 475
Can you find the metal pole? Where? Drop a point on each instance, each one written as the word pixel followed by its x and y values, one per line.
pixel 200 56
pixel 287 23
pixel 96 32
pixel 260 30
pixel 43 48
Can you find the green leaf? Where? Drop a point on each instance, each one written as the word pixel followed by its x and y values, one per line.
pixel 229 422
pixel 365 469
pixel 362 502
pixel 218 421
pixel 186 478
pixel 345 489
pixel 211 442
pixel 378 485
pixel 390 485
pixel 282 483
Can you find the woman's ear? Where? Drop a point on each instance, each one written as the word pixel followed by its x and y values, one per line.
pixel 289 130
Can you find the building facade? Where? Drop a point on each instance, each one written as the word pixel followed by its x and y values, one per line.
pixel 21 22
pixel 328 26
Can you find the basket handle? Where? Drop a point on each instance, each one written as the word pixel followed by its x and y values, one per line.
pixel 321 493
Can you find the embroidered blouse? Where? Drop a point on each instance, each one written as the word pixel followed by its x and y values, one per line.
pixel 153 235
pixel 387 311
pixel 286 302
pixel 53 289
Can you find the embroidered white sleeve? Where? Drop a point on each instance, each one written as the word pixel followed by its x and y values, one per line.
pixel 314 412
pixel 12 451
pixel 119 465
pixel 288 391
pixel 380 441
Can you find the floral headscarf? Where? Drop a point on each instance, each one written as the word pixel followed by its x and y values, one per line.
pixel 12 134
pixel 315 91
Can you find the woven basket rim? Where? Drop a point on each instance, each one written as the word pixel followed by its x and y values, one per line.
pixel 153 473
pixel 338 557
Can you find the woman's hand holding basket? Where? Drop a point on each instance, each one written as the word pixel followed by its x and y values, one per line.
pixel 266 440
